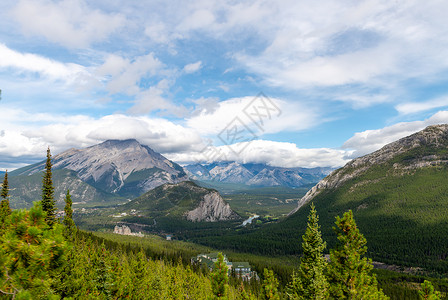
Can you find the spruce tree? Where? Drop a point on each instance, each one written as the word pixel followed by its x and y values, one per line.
pixel 220 278
pixel 269 286
pixel 48 204
pixel 348 271
pixel 69 224
pixel 310 281
pixel 5 210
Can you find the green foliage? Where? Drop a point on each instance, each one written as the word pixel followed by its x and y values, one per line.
pixel 31 254
pixel 69 224
pixel 427 292
pixel 5 210
pixel 4 194
pixel 98 271
pixel 220 278
pixel 348 271
pixel 310 281
pixel 269 287
pixel 48 203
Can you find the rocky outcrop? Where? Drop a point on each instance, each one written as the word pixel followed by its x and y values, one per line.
pixel 211 209
pixel 432 138
pixel 125 230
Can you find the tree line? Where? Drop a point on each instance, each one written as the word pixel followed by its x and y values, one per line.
pixel 43 257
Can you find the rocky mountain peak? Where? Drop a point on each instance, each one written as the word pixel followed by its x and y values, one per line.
pixel 115 164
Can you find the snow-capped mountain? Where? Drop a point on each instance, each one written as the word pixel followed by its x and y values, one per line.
pixel 256 174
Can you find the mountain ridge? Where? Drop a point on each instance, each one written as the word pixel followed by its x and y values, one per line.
pixel 255 174
pixel 116 168
pixel 431 135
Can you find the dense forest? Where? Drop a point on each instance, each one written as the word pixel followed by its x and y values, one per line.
pixel 43 256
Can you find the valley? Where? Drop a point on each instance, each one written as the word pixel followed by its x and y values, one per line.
pixel 398 196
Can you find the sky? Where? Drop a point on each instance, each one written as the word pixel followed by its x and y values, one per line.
pixel 287 83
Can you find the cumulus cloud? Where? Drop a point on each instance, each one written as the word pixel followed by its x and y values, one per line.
pixel 71 23
pixel 26 142
pixel 371 140
pixel 277 154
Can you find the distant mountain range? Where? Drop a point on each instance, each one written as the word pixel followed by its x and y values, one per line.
pixel 256 174
pixel 105 172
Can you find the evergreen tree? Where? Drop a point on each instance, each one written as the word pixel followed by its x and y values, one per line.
pixel 348 271
pixel 269 286
pixel 5 210
pixel 69 224
pixel 31 255
pixel 48 192
pixel 310 281
pixel 427 292
pixel 220 278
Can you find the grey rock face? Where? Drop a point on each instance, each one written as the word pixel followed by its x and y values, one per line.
pixel 118 167
pixel 435 137
pixel 213 208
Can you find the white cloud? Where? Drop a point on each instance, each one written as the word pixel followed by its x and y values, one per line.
pixel 194 67
pixel 417 107
pixel 71 23
pixel 276 115
pixel 371 140
pixel 32 63
pixel 199 19
pixel 277 154
pixel 125 75
pixel 28 141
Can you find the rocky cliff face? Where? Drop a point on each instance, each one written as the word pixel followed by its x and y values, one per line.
pixel 211 209
pixel 417 147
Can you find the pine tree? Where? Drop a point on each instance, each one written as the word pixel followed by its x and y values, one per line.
pixel 5 210
pixel 220 278
pixel 427 292
pixel 310 281
pixel 70 227
pixel 48 192
pixel 348 271
pixel 269 286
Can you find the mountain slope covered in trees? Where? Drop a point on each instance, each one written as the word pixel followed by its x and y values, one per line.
pixel 398 194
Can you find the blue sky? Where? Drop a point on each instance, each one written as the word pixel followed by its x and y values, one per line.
pixel 288 83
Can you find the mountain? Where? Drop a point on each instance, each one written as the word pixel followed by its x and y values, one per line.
pixel 186 200
pixel 174 208
pixel 112 169
pixel 256 174
pixel 420 151
pixel 399 198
